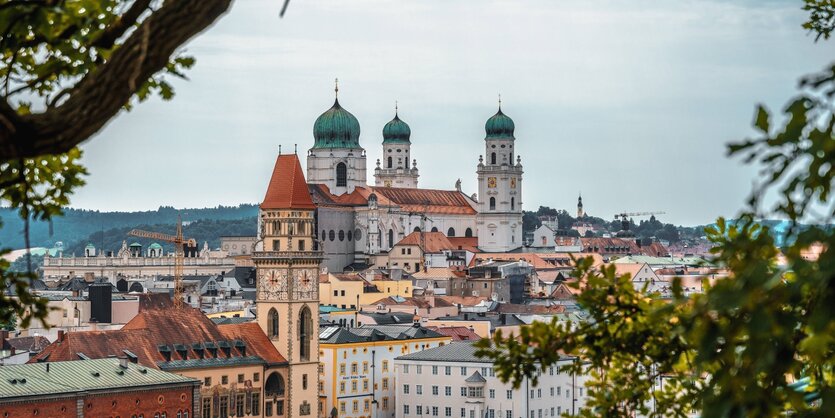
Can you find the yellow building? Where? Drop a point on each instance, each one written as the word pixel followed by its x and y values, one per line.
pixel 350 290
pixel 357 376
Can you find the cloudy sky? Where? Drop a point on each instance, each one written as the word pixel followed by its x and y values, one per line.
pixel 629 102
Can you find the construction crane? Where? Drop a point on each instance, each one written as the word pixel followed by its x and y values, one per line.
pixel 179 254
pixel 626 217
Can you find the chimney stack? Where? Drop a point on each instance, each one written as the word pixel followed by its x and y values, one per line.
pixel 123 362
pixel 60 335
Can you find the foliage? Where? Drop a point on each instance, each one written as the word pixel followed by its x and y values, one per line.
pixel 207 230
pixel 76 225
pixel 733 350
pixel 68 67
pixel 23 263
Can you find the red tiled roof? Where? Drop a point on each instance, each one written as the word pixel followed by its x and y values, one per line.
pixel 465 243
pixel 431 242
pixel 531 258
pixel 287 188
pixel 457 333
pixel 428 200
pixel 149 329
pixel 624 246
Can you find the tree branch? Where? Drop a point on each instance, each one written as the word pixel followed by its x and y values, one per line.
pixel 109 37
pixel 100 95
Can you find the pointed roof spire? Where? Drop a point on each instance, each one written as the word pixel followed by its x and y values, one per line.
pixel 500 102
pixel 336 88
pixel 287 188
pixel 395 109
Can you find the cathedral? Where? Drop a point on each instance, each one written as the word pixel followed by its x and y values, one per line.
pixel 357 221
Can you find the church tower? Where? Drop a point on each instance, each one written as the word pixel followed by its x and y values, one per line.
pixel 395 170
pixel 499 188
pixel 580 212
pixel 337 160
pixel 287 299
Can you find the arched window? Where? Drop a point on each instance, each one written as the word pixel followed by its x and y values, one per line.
pixel 450 232
pixel 389 162
pixel 512 203
pixel 391 238
pixel 434 229
pixel 468 233
pixel 493 158
pixel 492 203
pixel 407 160
pixel 417 229
pixel 272 324
pixel 511 158
pixel 274 386
pixel 305 333
pixel 341 175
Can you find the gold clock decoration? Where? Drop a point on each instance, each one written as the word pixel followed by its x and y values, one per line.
pixel 513 182
pixel 491 182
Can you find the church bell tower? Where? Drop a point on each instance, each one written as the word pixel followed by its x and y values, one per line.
pixel 287 299
pixel 499 219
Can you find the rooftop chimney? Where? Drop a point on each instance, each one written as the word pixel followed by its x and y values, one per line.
pixel 123 362
pixel 60 335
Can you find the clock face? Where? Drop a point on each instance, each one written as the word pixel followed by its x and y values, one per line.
pixel 305 284
pixel 273 285
pixel 491 182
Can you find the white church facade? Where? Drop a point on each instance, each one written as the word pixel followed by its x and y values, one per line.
pixel 356 221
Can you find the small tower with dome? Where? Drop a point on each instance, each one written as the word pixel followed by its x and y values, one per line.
pixel 396 169
pixel 499 172
pixel 336 159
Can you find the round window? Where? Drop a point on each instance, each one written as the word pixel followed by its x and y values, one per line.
pixel 349 235
pixel 503 146
pixel 357 234
pixel 341 235
pixel 331 235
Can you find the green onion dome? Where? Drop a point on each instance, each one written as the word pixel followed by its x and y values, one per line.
pixel 336 128
pixel 499 126
pixel 396 131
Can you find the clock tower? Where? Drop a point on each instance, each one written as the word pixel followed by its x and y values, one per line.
pixel 287 301
pixel 499 172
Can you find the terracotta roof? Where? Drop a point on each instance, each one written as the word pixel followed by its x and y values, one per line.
pixel 622 246
pixel 465 243
pixel 457 333
pixel 34 344
pixel 433 242
pixel 428 200
pixel 143 335
pixel 463 300
pixel 287 188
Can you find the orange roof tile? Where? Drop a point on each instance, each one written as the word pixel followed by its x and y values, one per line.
pixel 465 243
pixel 431 242
pixel 151 328
pixel 428 200
pixel 287 188
pixel 457 333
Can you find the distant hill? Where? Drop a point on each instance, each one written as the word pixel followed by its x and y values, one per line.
pixel 80 225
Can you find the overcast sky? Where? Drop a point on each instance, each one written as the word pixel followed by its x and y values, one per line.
pixel 629 102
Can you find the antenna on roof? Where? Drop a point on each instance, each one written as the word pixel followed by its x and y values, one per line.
pixel 279 149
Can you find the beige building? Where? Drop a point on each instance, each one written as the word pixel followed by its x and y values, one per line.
pixel 350 290
pixel 287 300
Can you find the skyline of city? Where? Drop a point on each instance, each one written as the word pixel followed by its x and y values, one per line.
pixel 666 87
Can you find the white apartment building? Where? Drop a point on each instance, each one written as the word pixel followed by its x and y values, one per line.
pixel 356 366
pixel 450 381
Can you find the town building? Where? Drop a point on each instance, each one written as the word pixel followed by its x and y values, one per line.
pixel 238 366
pixel 451 381
pixel 358 222
pixel 287 263
pixel 351 290
pixel 110 387
pixel 357 366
